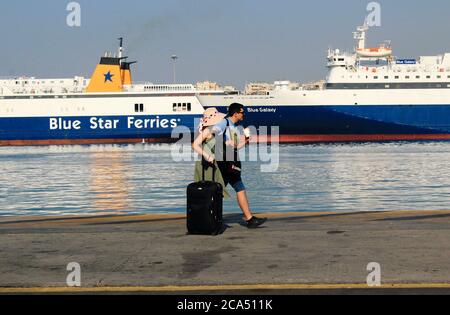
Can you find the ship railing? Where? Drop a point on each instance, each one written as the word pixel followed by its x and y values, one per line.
pixel 63 91
pixel 149 87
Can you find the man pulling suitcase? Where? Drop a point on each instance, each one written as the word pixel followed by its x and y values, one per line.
pixel 215 124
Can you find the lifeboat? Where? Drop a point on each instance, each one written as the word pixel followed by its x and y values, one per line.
pixel 378 52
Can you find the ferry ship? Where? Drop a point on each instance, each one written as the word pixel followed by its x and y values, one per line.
pixel 368 95
pixel 107 108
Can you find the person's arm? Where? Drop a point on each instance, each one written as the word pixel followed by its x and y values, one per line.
pixel 244 141
pixel 198 143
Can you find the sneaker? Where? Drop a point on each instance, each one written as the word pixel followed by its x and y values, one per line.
pixel 255 222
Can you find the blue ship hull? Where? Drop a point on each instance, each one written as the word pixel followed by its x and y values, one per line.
pixel 353 123
pixel 90 129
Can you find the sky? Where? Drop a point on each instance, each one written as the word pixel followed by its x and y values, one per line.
pixel 231 42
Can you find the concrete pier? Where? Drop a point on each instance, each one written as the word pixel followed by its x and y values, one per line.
pixel 293 252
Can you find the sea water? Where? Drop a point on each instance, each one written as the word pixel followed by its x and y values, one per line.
pixel 144 178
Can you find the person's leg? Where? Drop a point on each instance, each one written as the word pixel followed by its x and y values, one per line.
pixel 244 205
pixel 242 199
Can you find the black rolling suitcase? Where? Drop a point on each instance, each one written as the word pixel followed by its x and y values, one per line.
pixel 205 207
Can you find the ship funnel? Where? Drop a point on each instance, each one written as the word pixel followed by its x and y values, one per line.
pixel 125 71
pixel 112 73
pixel 107 76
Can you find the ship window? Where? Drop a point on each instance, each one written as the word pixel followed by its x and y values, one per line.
pixel 184 107
pixel 375 77
pixel 418 77
pixel 439 77
pixel 386 77
pixel 428 77
pixel 397 77
pixel 407 77
pixel 189 106
pixel 139 108
pixel 174 107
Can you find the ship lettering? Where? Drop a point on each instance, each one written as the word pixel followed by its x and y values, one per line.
pixel 151 123
pixel 64 124
pixel 99 123
pixel 268 110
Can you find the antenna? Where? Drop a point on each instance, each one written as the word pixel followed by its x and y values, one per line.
pixel 120 47
pixel 174 58
pixel 360 35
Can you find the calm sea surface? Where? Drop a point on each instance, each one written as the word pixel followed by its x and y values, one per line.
pixel 144 179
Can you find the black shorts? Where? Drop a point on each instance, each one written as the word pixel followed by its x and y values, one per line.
pixel 231 177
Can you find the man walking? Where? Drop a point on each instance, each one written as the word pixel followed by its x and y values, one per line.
pixel 231 167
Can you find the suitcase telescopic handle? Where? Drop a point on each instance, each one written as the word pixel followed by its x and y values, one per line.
pixel 204 162
pixel 203 170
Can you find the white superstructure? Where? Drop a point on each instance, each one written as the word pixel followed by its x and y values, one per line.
pixel 379 66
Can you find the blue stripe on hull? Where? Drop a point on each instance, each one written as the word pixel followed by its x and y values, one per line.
pixel 113 127
pixel 292 120
pixel 342 120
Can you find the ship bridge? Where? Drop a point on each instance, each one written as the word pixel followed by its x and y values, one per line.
pixel 377 68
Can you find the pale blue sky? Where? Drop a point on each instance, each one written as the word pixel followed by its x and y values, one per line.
pixel 228 41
